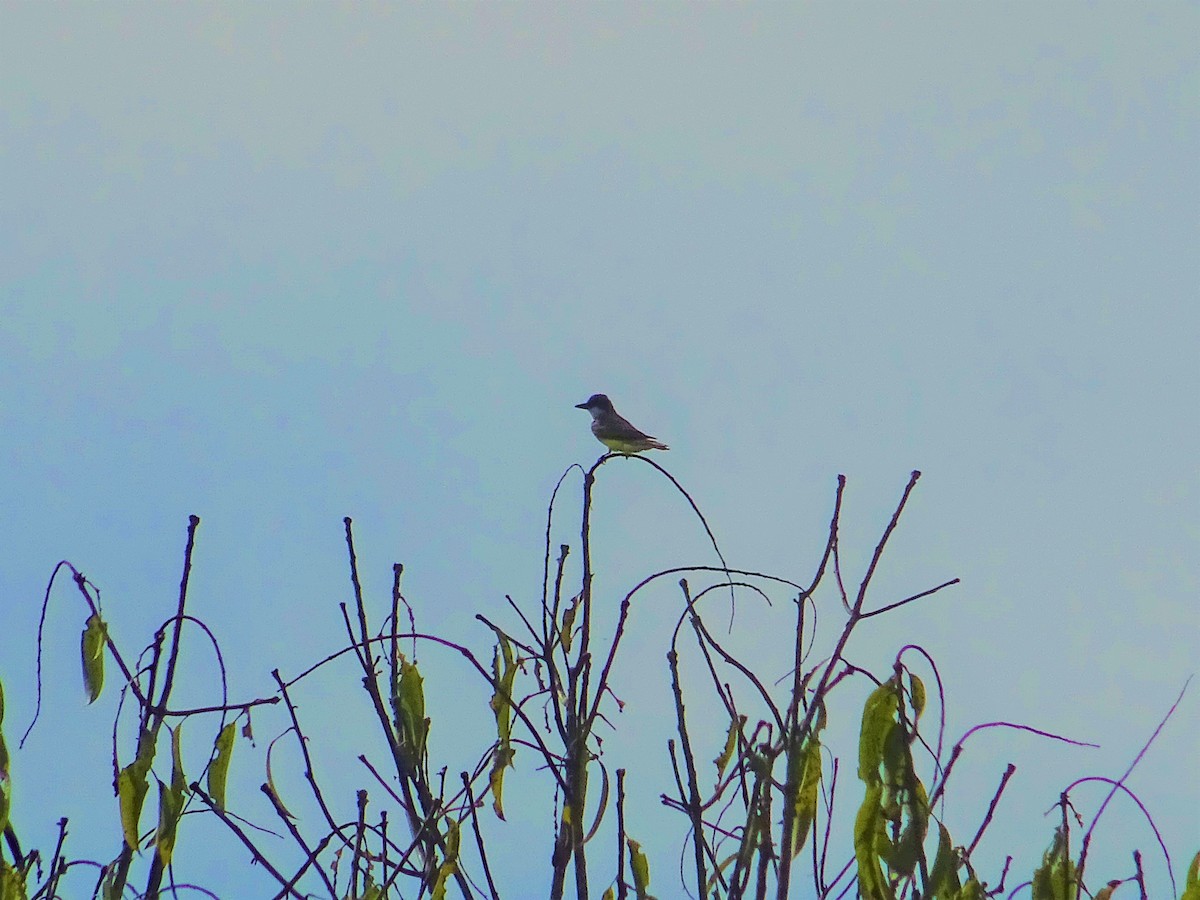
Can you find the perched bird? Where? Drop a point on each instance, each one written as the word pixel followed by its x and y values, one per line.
pixel 613 431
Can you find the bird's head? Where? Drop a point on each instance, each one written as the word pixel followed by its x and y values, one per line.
pixel 596 403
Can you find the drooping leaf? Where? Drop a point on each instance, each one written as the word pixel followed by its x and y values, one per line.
pixel 218 771
pixel 806 796
pixel 731 736
pixel 450 866
pixel 112 889
pixel 909 849
pixel 178 779
pixel 943 877
pixel 411 724
pixel 503 758
pixel 1055 879
pixel 171 799
pixel 879 715
pixel 170 807
pixel 504 671
pixel 1191 885
pixel 12 885
pixel 5 771
pixel 870 843
pixel 640 867
pixel 92 656
pixel 271 779
pixel 897 766
pixel 566 635
pixel 132 785
pixel 916 689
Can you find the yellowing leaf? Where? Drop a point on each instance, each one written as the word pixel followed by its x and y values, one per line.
pixel 1055 878
pixel 271 778
pixel 12 885
pixel 1191 886
pixel 640 866
pixel 112 890
pixel 450 866
pixel 568 623
pixel 806 794
pixel 218 771
pixel 916 688
pixel 871 842
pixel 411 724
pixel 171 800
pixel 502 759
pixel 5 775
pixel 879 715
pixel 170 808
pixel 943 877
pixel 92 657
pixel 131 792
pixel 730 745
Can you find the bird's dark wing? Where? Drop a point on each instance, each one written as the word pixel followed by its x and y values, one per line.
pixel 618 427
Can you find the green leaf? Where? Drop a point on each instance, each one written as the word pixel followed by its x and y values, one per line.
pixel 566 634
pixel 735 726
pixel 871 842
pixel 171 799
pixel 131 793
pixel 92 656
pixel 412 726
pixel 1055 879
pixel 218 771
pixel 170 808
pixel 943 877
pixel 916 690
pixel 503 758
pixel 640 867
pixel 504 672
pixel 178 779
pixel 112 890
pixel 806 795
pixel 909 848
pixel 1191 887
pixel 450 866
pixel 12 885
pixel 5 771
pixel 271 779
pixel 897 762
pixel 879 714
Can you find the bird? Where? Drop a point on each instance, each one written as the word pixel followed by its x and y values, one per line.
pixel 613 431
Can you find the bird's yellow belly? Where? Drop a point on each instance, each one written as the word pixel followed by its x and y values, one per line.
pixel 619 446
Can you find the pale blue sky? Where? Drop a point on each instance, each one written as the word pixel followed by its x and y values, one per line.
pixel 274 265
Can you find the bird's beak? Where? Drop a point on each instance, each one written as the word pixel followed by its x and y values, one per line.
pixel 581 406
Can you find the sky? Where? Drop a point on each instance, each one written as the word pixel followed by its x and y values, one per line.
pixel 277 265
